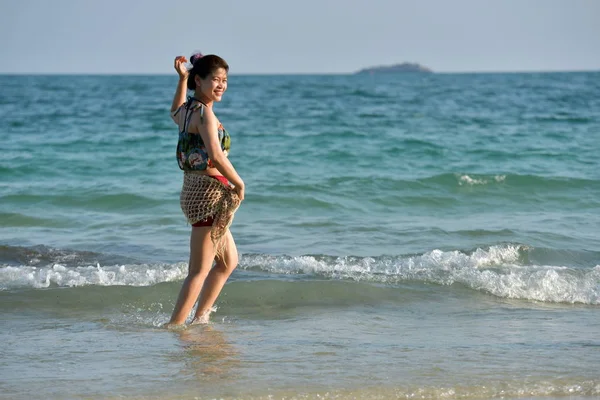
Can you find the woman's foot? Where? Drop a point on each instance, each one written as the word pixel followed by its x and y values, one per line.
pixel 204 318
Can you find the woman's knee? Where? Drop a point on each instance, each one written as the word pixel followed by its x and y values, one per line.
pixel 227 265
pixel 199 268
pixel 197 274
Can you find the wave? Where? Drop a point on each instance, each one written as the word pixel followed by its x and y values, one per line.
pixel 15 219
pixel 88 199
pixel 467 180
pixel 452 181
pixel 511 180
pixel 505 271
pixel 567 119
pixel 498 270
pixel 58 275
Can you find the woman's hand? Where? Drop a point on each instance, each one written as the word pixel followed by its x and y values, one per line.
pixel 180 67
pixel 240 190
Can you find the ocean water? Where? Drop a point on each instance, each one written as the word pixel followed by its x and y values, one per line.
pixel 403 236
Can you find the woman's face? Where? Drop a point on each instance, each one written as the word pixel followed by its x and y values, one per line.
pixel 214 85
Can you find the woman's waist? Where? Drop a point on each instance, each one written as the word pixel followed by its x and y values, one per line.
pixel 213 173
pixel 207 172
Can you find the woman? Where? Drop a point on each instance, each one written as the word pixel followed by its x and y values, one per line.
pixel 212 190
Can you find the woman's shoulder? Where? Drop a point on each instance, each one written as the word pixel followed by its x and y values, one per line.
pixel 205 119
pixel 208 115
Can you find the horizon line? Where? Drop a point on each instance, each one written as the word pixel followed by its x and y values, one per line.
pixel 306 73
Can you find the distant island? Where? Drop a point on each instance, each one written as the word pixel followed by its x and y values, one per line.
pixel 404 67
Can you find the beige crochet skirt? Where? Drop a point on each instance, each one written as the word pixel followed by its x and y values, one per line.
pixel 204 197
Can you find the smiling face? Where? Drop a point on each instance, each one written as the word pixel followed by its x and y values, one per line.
pixel 213 86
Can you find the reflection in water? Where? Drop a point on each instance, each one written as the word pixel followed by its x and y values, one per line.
pixel 208 354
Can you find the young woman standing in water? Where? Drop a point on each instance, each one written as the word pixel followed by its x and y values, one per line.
pixel 212 189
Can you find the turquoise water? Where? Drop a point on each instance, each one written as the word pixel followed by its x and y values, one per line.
pixel 409 236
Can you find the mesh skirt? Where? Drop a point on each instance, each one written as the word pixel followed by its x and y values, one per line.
pixel 204 197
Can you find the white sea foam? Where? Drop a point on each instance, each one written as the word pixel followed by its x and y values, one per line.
pixel 496 270
pixel 59 275
pixel 467 180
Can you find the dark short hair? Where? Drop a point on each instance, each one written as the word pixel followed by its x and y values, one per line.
pixel 204 65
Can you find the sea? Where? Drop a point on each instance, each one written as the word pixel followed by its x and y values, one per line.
pixel 403 236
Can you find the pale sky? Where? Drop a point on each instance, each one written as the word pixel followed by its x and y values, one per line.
pixel 307 36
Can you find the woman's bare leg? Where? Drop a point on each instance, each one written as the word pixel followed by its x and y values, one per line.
pixel 217 277
pixel 202 255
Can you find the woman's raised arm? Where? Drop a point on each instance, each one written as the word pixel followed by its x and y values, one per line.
pixel 181 91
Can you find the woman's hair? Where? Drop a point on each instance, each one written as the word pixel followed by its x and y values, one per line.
pixel 204 65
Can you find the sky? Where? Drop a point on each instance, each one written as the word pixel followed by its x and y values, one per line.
pixel 308 36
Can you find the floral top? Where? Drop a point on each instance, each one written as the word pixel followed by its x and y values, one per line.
pixel 191 152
